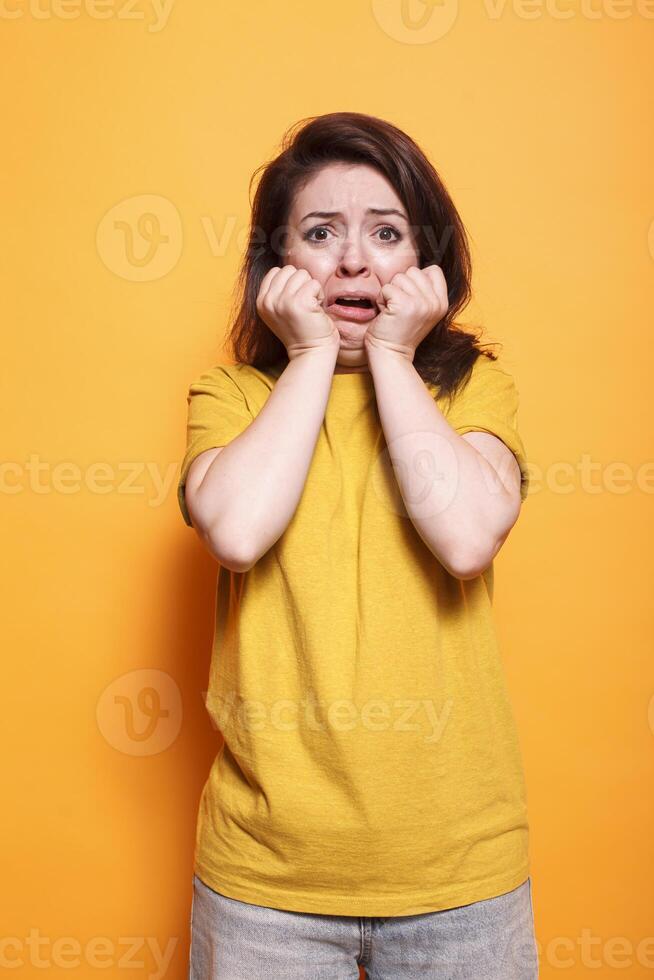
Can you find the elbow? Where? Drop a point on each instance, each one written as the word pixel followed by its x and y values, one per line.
pixel 468 563
pixel 232 553
pixel 469 572
pixel 233 562
pixel 468 559
pixel 466 571
pixel 231 550
pixel 228 546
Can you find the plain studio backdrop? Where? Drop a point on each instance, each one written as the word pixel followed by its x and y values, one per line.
pixel 130 134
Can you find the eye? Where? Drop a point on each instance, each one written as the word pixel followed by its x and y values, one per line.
pixel 395 232
pixel 307 235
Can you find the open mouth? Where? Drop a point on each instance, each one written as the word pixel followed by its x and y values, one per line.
pixel 357 309
pixel 364 303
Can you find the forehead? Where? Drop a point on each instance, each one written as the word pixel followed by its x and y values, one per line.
pixel 345 187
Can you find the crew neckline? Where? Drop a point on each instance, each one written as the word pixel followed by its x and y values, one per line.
pixel 362 378
pixel 360 375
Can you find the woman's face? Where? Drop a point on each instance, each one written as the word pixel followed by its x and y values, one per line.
pixel 346 246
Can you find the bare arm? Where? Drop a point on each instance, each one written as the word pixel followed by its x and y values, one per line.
pixel 243 501
pixel 473 497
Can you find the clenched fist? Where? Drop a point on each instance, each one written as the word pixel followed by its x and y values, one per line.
pixel 289 302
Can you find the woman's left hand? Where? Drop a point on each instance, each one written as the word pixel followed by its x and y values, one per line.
pixel 413 303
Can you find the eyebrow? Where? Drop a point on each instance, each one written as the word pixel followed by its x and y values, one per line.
pixel 339 214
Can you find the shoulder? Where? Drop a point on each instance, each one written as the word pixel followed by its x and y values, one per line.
pixel 489 377
pixel 227 373
pixel 484 377
pixel 485 366
pixel 234 378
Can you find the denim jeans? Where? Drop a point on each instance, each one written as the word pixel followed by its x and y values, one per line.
pixel 492 939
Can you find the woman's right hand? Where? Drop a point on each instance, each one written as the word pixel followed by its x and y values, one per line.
pixel 289 303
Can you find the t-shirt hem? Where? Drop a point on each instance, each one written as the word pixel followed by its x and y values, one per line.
pixel 362 905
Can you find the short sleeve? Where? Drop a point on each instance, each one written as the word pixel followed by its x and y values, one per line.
pixel 489 403
pixel 217 413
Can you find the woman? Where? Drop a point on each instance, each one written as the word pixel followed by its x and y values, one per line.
pixel 354 473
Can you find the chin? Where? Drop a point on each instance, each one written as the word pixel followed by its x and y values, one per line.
pixel 352 356
pixel 351 333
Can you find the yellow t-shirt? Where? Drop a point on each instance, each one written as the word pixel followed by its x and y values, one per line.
pixel 370 762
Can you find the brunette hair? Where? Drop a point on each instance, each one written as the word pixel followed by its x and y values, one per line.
pixel 445 356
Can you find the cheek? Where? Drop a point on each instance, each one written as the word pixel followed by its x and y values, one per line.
pixel 318 264
pixel 389 265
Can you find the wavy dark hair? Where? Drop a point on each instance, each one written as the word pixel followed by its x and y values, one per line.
pixel 445 356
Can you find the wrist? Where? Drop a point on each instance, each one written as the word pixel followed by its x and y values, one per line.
pixel 384 350
pixel 315 350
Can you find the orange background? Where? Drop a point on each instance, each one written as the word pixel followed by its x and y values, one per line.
pixel 129 142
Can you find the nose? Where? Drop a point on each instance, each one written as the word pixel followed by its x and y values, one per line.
pixel 353 260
